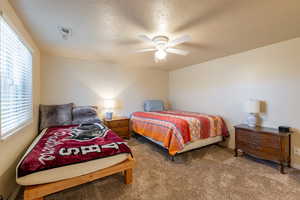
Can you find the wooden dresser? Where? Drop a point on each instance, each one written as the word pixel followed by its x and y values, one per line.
pixel 264 143
pixel 119 125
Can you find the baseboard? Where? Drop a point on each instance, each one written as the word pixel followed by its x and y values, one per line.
pixel 296 166
pixel 15 193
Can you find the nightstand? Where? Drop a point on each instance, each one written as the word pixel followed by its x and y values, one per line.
pixel 264 143
pixel 119 125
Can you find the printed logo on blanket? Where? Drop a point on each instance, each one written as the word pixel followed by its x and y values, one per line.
pixel 88 149
pixel 88 131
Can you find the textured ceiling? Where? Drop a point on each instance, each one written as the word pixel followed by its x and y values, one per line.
pixel 107 30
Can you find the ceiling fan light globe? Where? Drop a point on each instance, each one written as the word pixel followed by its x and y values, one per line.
pixel 160 54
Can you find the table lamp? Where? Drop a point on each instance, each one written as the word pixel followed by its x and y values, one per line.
pixel 109 105
pixel 253 108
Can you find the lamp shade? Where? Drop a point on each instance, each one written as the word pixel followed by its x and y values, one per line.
pixel 253 106
pixel 109 103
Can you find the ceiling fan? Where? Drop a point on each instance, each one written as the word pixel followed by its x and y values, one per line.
pixel 162 45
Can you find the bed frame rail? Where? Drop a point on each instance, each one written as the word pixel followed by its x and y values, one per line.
pixel 37 192
pixel 172 157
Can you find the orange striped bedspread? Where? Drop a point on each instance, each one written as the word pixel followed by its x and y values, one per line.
pixel 174 129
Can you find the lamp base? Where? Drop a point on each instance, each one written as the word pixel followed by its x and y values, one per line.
pixel 252 120
pixel 108 115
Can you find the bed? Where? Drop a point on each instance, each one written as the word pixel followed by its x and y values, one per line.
pixel 69 155
pixel 179 131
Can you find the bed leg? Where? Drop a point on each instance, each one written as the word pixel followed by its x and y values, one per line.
pixel 172 158
pixel 128 176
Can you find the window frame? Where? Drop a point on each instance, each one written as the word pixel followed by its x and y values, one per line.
pixel 31 51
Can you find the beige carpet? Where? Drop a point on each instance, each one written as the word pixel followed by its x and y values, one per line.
pixel 208 173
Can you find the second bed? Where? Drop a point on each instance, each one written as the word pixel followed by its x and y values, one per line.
pixel 179 131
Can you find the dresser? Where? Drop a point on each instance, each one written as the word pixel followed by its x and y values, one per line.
pixel 119 125
pixel 264 143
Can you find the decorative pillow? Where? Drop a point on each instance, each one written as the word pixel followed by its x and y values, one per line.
pixel 153 105
pixel 55 115
pixel 85 114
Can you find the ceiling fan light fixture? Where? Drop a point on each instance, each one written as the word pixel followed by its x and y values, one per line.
pixel 160 55
pixel 162 45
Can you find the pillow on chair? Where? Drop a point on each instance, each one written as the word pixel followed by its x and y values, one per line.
pixel 55 115
pixel 85 114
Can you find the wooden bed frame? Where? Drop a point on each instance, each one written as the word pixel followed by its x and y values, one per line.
pixel 37 192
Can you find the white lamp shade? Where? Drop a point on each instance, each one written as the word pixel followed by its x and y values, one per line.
pixel 109 103
pixel 253 106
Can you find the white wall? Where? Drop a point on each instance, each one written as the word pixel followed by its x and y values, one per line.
pixel 86 82
pixel 12 148
pixel 222 86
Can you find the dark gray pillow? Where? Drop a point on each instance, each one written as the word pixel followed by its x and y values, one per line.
pixel 55 115
pixel 85 114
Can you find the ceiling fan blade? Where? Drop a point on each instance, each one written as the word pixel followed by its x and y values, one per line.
pixel 177 51
pixel 179 40
pixel 145 38
pixel 145 50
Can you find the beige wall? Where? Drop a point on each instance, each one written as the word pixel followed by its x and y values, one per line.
pixel 13 147
pixel 85 82
pixel 222 86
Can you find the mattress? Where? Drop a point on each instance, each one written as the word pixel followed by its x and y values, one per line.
pixel 69 170
pixel 201 143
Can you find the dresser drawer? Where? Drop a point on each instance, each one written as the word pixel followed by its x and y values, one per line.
pixel 248 137
pixel 121 131
pixel 118 123
pixel 264 153
pixel 260 139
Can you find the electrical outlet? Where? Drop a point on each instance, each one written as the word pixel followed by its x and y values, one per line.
pixel 297 151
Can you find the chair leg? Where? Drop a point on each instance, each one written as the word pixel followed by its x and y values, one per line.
pixel 128 176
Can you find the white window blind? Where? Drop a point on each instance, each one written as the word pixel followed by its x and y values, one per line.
pixel 16 81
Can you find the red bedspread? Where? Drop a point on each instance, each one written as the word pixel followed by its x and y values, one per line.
pixel 176 128
pixel 67 145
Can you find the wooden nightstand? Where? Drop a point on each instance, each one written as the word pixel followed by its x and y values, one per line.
pixel 264 143
pixel 119 125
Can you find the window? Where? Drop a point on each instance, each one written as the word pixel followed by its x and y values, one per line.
pixel 16 81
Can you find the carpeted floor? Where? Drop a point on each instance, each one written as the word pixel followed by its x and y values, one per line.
pixel 210 173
